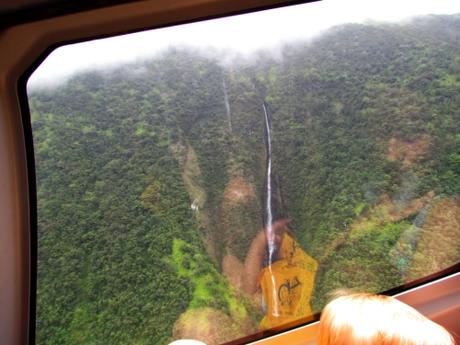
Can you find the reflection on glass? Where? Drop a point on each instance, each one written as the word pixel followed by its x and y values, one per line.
pixel 202 194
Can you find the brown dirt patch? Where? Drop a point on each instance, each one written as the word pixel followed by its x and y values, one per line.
pixel 439 241
pixel 208 325
pixel 238 190
pixel 408 151
pixel 239 217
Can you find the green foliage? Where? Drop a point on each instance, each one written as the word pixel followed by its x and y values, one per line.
pixel 210 288
pixel 363 264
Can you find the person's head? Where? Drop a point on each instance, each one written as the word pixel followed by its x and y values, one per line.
pixel 367 319
pixel 186 342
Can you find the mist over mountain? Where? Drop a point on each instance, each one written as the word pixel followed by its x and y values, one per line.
pixel 150 179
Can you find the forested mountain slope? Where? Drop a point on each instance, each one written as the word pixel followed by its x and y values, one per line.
pixel 150 179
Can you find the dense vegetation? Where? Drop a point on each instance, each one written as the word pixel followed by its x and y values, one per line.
pixel 366 146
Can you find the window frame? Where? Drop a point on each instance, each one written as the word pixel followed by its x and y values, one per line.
pixel 25 46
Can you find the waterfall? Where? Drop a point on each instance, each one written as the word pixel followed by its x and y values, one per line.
pixel 227 105
pixel 268 199
pixel 268 210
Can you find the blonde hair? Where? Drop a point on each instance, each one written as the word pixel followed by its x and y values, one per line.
pixel 367 319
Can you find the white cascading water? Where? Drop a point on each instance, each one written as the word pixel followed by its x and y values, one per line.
pixel 268 211
pixel 268 200
pixel 227 106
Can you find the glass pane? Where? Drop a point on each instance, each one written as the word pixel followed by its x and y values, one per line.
pixel 216 179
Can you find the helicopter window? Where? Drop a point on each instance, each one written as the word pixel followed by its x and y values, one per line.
pixel 221 178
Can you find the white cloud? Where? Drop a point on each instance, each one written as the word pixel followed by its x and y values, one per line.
pixel 243 33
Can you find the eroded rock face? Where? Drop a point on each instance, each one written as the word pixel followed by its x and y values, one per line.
pixel 208 325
